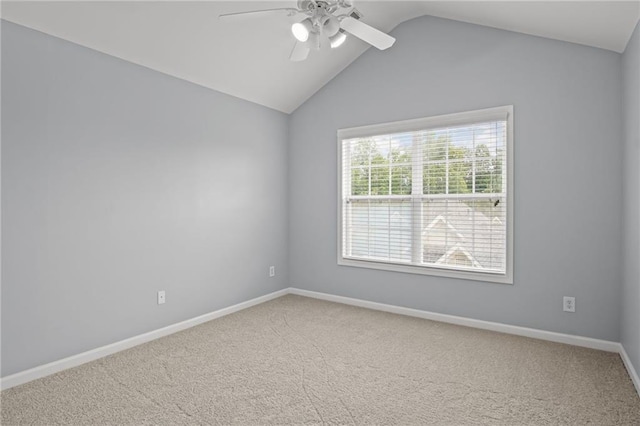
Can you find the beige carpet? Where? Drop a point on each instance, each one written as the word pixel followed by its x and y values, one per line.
pixel 296 360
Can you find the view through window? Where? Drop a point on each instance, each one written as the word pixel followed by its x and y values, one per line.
pixel 433 197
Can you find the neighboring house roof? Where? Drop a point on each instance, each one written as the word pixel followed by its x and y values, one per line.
pixel 454 253
pixel 454 233
pixel 456 229
pixel 439 224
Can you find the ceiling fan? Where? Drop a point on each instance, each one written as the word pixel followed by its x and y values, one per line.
pixel 325 20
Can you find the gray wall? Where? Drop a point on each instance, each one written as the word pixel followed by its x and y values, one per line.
pixel 568 152
pixel 631 287
pixel 118 181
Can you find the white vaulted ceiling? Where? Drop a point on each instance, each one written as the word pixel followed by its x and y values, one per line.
pixel 248 57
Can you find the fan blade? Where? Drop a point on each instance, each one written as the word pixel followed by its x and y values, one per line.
pixel 299 53
pixel 289 10
pixel 367 33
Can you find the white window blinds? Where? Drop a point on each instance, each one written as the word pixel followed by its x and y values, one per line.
pixel 434 197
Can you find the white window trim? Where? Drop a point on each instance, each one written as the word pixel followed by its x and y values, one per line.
pixel 497 113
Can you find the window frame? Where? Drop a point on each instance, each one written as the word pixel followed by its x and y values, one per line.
pixel 460 118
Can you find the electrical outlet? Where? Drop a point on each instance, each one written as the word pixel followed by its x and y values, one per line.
pixel 569 304
pixel 272 271
pixel 161 297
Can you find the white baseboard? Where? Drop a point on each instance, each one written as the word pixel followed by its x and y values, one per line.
pixel 587 342
pixel 84 357
pixel 632 371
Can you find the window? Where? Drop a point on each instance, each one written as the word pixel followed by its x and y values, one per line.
pixel 429 196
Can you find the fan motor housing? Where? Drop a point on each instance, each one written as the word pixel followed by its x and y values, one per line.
pixel 328 6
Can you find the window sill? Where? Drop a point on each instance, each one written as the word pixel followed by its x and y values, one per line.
pixel 423 270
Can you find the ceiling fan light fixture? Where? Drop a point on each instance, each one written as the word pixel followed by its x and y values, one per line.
pixel 338 39
pixel 324 25
pixel 301 30
pixel 330 25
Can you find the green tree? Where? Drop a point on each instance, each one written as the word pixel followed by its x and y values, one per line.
pixel 460 166
pixel 361 159
pixel 369 168
pixel 437 153
pixel 488 171
pixel 400 169
pixel 444 163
